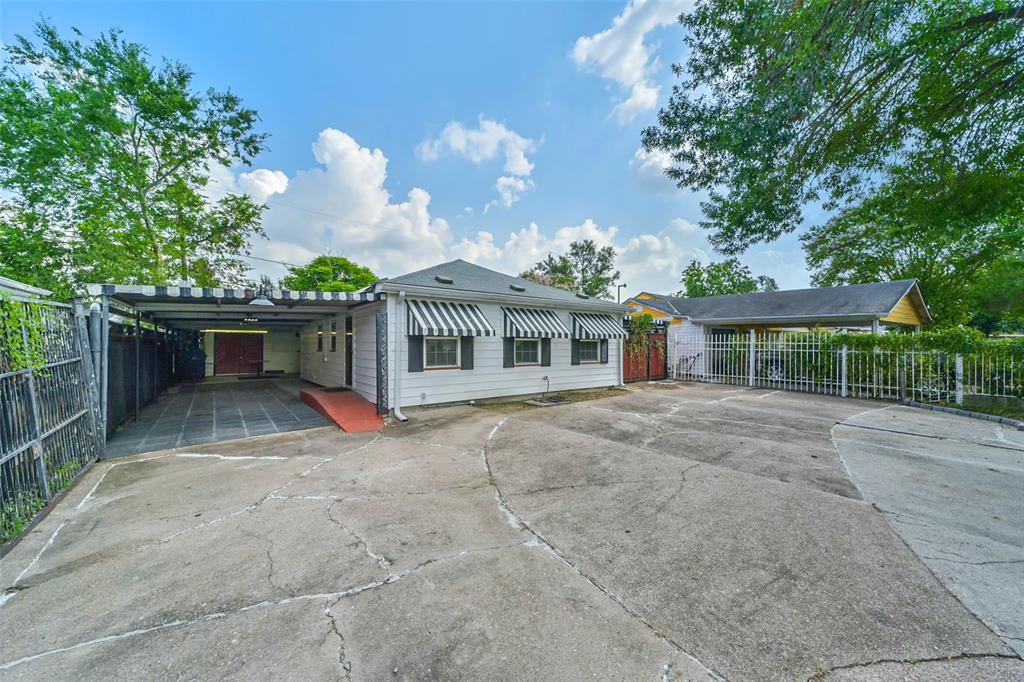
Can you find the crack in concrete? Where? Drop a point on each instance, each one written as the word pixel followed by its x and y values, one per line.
pixel 346 665
pixel 382 561
pixel 331 598
pixel 543 542
pixel 822 674
pixel 975 563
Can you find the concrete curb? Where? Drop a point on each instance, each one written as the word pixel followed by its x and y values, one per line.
pixel 1015 423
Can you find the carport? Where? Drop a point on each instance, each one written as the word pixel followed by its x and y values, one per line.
pixel 187 365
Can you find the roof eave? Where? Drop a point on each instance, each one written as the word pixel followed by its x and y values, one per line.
pixel 796 319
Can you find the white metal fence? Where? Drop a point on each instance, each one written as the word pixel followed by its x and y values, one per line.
pixel 814 363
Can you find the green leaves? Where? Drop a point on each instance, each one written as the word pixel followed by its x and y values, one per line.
pixel 329 273
pixel 585 268
pixel 108 157
pixel 718 279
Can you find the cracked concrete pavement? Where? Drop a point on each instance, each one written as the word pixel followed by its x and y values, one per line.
pixel 673 533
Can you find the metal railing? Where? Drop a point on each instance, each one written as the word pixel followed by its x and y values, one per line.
pixel 797 361
pixel 49 416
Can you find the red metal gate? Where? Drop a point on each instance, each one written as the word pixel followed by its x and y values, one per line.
pixel 640 366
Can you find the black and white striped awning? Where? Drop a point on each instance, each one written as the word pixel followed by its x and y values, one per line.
pixel 596 326
pixel 441 318
pixel 530 323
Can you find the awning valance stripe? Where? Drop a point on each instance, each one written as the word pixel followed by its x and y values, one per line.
pixel 595 326
pixel 443 318
pixel 153 291
pixel 531 323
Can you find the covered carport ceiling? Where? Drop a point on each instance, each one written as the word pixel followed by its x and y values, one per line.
pixel 205 308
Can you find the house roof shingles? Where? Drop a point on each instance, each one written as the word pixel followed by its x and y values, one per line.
pixel 469 278
pixel 865 301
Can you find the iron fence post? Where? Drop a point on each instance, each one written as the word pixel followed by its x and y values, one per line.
pixel 750 360
pixel 104 369
pixel 37 428
pixel 843 384
pixel 959 379
pixel 88 369
pixel 138 363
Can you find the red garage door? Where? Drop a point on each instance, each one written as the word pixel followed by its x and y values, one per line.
pixel 237 353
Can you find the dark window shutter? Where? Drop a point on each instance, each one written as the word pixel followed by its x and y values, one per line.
pixel 575 351
pixel 604 351
pixel 508 358
pixel 545 352
pixel 467 352
pixel 415 353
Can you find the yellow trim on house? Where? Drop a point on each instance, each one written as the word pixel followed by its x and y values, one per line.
pixel 905 312
pixel 656 314
pixel 644 295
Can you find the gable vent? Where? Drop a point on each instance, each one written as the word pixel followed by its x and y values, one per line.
pixel 443 280
pixel 516 287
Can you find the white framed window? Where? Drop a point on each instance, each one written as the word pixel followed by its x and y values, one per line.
pixel 441 352
pixel 527 351
pixel 590 350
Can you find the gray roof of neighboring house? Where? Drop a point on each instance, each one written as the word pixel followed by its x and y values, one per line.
pixel 467 278
pixel 855 301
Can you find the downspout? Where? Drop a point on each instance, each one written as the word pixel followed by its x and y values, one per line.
pixel 399 335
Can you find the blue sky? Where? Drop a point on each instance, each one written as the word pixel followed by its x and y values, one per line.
pixel 406 134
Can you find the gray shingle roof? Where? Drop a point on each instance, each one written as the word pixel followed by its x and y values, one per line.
pixel 469 278
pixel 867 301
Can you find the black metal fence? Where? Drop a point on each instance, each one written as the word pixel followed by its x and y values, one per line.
pixel 140 366
pixel 50 425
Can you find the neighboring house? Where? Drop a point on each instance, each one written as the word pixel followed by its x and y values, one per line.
pixel 855 307
pixel 451 333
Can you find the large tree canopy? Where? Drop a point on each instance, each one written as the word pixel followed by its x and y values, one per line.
pixel 329 273
pixel 586 268
pixel 105 160
pixel 727 277
pixel 785 104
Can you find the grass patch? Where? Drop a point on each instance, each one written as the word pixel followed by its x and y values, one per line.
pixel 517 404
pixel 998 409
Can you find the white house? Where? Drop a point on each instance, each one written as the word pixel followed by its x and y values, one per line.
pixel 458 332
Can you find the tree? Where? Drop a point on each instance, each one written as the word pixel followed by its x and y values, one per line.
pixel 586 268
pixel 787 104
pixel 960 236
pixel 107 157
pixel 727 277
pixel 328 273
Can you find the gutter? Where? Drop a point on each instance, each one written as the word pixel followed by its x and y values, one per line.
pixel 399 335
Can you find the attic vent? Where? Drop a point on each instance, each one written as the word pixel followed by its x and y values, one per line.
pixel 582 296
pixel 443 280
pixel 516 287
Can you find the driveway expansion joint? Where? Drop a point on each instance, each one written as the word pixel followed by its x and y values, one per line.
pixel 823 674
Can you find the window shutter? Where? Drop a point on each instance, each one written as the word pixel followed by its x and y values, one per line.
pixel 508 352
pixel 467 352
pixel 545 352
pixel 604 351
pixel 415 353
pixel 575 351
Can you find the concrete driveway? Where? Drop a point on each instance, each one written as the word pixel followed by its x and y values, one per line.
pixel 678 532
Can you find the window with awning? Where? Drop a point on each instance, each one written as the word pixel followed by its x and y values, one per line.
pixel 444 318
pixel 596 326
pixel 531 323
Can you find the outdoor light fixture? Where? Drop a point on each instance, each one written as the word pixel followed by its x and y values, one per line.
pixel 261 298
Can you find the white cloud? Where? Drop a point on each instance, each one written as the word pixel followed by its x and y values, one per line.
pixel 341 206
pixel 621 53
pixel 648 262
pixel 649 169
pixel 483 143
pixel 261 184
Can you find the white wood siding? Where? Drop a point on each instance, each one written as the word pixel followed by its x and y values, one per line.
pixel 488 379
pixel 324 368
pixel 364 352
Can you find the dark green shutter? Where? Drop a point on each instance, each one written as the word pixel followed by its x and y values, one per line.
pixel 604 351
pixel 545 352
pixel 467 352
pixel 575 351
pixel 415 353
pixel 508 356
